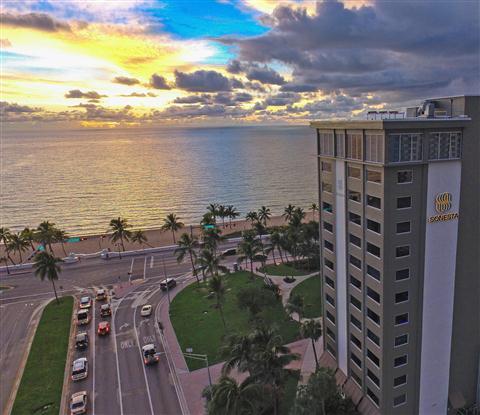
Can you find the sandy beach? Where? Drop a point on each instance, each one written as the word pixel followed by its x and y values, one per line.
pixel 156 238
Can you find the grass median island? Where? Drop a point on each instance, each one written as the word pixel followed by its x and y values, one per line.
pixel 284 270
pixel 40 389
pixel 310 290
pixel 198 324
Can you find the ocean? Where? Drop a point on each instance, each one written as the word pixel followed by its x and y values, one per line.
pixel 81 179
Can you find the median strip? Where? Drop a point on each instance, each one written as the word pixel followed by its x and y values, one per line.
pixel 40 389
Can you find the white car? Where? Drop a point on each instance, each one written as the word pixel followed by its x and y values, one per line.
pixel 71 259
pixel 78 403
pixel 80 369
pixel 85 302
pixel 146 310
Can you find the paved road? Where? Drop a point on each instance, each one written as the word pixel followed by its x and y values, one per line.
pixel 143 390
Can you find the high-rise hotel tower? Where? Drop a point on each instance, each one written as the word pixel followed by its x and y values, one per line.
pixel 400 251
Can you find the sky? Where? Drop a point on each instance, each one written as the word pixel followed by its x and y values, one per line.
pixel 129 63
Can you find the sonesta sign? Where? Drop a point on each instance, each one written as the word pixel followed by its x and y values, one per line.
pixel 443 203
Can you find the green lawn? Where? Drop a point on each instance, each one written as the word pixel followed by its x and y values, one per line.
pixel 40 389
pixel 284 270
pixel 198 324
pixel 310 290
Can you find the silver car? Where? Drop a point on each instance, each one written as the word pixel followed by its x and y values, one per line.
pixel 78 403
pixel 80 369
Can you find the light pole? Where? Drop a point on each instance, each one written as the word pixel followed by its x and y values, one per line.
pixel 204 357
pixel 166 282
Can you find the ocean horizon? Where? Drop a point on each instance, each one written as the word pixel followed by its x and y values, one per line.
pixel 80 179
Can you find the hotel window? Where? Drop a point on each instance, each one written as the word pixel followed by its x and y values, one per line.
pixel 405 147
pixel 402 274
pixel 373 249
pixel 404 176
pixel 399 381
pixel 355 262
pixel 328 245
pixel 373 295
pixel 373 397
pixel 328 226
pixel 353 217
pixel 374 147
pixel 331 350
pixel 326 143
pixel 330 333
pixel 403 227
pixel 402 251
pixel 330 300
pixel 329 264
pixel 327 187
pixel 401 297
pixel 330 316
pixel 355 302
pixel 374 226
pixel 374 202
pixel 354 172
pixel 340 143
pixel 327 207
pixel 401 319
pixel 400 399
pixel 355 341
pixel 356 378
pixel 401 340
pixel 329 281
pixel 373 337
pixel 442 146
pixel 373 377
pixel 355 196
pixel 373 272
pixel 373 358
pixel 326 166
pixel 373 316
pixel 356 283
pixel 356 322
pixel 355 240
pixel 374 176
pixel 404 202
pixel 400 361
pixel 354 146
pixel 355 359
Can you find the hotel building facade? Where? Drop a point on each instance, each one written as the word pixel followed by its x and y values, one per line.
pixel 400 252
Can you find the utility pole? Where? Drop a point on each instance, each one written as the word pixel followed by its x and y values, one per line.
pixel 203 357
pixel 166 282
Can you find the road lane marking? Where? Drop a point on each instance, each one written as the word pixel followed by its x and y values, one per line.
pixel 123 326
pixel 141 360
pixel 116 357
pixel 149 339
pixel 151 262
pixel 127 344
pixel 144 268
pixel 131 270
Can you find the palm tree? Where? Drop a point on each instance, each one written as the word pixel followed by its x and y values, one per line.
pixel 239 354
pixel 252 216
pixel 264 215
pixel 314 208
pixel 211 238
pixel 30 236
pixel 5 235
pixel 139 237
pixel 119 228
pixel 222 214
pixel 276 242
pixel 312 329
pixel 228 397
pixel 232 213
pixel 187 245
pixel 288 212
pixel 209 263
pixel 213 210
pixel 17 244
pixel 173 224
pixel 46 234
pixel 46 266
pixel 249 249
pixel 5 259
pixel 217 286
pixel 61 236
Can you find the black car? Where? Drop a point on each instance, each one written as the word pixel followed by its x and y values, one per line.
pixel 168 283
pixel 81 341
pixel 105 310
pixel 228 252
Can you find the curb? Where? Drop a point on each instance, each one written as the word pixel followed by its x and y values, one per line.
pixel 30 336
pixel 63 400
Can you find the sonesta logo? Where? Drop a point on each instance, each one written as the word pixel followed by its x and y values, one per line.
pixel 443 203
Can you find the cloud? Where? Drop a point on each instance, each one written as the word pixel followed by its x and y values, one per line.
pixel 202 81
pixel 125 80
pixel 139 95
pixel 298 88
pixel 255 72
pixel 5 43
pixel 158 82
pixel 193 99
pixel 6 107
pixel 76 93
pixel 38 21
pixel 283 98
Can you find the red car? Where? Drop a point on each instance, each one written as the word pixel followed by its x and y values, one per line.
pixel 103 328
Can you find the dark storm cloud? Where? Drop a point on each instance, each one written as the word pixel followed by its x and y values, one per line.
pixel 298 88
pixel 158 82
pixel 223 98
pixel 39 21
pixel 16 108
pixel 193 99
pixel 283 98
pixel 255 72
pixel 76 93
pixel 125 80
pixel 234 67
pixel 202 81
pixel 402 50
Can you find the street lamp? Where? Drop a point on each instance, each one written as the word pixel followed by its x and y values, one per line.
pixel 166 282
pixel 204 357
